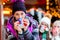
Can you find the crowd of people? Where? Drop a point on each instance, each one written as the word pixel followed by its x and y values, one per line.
pixel 33 25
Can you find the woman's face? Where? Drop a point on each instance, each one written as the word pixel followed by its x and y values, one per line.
pixel 55 30
pixel 19 14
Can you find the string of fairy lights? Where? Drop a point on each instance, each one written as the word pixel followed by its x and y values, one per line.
pixel 53 8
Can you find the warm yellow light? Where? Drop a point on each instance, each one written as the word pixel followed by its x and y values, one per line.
pixel 37 10
pixel 59 16
pixel 47 3
pixel 8 0
pixel 55 15
pixel 47 7
pixel 3 3
pixel 6 12
pixel 47 0
pixel 57 7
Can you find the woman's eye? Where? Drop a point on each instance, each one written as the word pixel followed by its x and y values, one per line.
pixel 58 26
pixel 46 25
pixel 17 14
pixel 21 13
pixel 54 26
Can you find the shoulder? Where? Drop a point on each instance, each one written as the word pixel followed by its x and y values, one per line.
pixel 9 22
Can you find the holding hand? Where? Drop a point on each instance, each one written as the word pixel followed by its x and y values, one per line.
pixel 18 27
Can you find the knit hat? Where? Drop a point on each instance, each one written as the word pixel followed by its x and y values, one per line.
pixel 18 6
pixel 46 20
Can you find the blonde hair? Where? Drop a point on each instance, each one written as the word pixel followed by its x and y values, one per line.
pixel 57 22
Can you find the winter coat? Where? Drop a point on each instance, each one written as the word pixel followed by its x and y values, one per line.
pixel 31 34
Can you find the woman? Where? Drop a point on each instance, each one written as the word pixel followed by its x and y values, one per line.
pixel 56 30
pixel 18 24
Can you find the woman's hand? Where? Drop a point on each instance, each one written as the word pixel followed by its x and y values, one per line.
pixel 17 26
pixel 24 26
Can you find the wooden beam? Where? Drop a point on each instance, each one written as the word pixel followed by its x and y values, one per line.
pixel 0 20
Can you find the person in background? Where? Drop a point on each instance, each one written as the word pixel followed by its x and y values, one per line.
pixel 18 25
pixel 56 30
pixel 34 14
pixel 37 14
pixel 40 14
pixel 44 28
